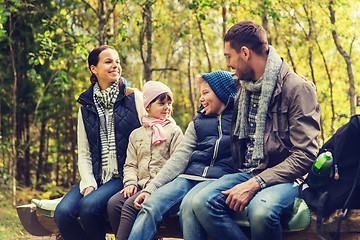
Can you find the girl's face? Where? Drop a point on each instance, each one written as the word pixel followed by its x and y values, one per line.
pixel 108 70
pixel 209 100
pixel 160 109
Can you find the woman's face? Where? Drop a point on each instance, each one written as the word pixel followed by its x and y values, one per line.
pixel 209 100
pixel 108 70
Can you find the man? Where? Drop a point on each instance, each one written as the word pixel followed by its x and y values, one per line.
pixel 273 139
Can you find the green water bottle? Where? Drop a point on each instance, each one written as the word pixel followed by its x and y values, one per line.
pixel 321 170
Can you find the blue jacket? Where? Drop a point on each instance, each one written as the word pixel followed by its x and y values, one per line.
pixel 126 120
pixel 212 156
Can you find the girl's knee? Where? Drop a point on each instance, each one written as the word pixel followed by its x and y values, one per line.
pixel 112 204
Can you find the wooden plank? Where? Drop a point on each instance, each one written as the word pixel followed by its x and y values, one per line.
pixel 29 220
pixel 38 224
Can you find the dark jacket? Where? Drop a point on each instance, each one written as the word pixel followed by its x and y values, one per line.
pixel 125 120
pixel 292 127
pixel 212 156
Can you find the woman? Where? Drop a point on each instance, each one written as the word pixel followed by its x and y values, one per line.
pixel 108 113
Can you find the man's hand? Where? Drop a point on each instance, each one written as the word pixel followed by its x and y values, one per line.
pixel 88 190
pixel 129 191
pixel 141 199
pixel 239 196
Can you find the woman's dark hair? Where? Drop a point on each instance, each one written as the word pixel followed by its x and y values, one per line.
pixel 249 34
pixel 93 59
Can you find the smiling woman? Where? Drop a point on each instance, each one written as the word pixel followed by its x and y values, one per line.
pixel 106 118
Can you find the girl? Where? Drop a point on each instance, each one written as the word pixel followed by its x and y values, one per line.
pixel 109 112
pixel 150 146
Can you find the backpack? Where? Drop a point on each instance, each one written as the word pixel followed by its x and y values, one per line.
pixel 344 180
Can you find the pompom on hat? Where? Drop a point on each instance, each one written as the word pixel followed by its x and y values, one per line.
pixel 152 89
pixel 222 84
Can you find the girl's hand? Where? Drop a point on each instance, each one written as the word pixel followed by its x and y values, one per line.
pixel 141 199
pixel 129 191
pixel 88 190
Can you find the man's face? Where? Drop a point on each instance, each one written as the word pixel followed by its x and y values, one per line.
pixel 238 61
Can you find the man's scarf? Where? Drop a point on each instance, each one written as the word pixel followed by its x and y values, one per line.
pixel 266 84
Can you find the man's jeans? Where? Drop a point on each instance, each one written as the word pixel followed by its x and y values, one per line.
pixel 264 210
pixel 166 201
pixel 91 210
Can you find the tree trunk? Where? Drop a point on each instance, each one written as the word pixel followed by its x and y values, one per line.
pixel 347 58
pixel 310 38
pixel 13 136
pixel 40 165
pixel 224 17
pixel 146 31
pixel 190 74
pixel 27 152
pixel 102 22
pixel 202 35
pixel 290 56
pixel 58 154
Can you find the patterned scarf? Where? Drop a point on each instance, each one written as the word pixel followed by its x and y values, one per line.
pixel 157 126
pixel 105 99
pixel 266 84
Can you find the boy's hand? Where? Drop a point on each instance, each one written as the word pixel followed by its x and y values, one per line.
pixel 129 191
pixel 141 199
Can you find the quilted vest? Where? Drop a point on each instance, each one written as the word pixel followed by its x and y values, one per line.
pixel 212 156
pixel 126 120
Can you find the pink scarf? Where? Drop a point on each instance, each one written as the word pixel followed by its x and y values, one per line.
pixel 157 127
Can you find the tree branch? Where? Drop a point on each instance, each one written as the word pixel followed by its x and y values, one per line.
pixel 91 7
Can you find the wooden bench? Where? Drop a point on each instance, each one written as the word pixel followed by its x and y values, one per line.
pixel 37 224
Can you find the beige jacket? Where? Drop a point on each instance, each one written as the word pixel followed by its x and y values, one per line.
pixel 144 160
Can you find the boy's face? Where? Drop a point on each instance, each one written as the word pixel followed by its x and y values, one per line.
pixel 209 100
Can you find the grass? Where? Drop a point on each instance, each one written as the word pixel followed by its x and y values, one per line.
pixel 10 225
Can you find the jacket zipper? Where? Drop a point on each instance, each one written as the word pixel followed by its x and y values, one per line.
pixel 216 148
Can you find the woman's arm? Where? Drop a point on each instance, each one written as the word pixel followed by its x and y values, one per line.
pixel 84 158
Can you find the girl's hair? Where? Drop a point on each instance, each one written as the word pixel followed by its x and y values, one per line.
pixel 164 96
pixel 93 59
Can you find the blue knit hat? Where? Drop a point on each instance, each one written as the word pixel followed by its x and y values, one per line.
pixel 222 84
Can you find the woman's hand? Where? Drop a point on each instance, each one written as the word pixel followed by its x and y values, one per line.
pixel 88 190
pixel 129 191
pixel 141 199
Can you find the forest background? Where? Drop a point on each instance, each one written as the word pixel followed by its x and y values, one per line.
pixel 44 46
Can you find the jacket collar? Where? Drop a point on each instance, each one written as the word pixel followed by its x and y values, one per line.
pixel 284 70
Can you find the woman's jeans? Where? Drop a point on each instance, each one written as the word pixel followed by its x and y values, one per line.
pixel 264 210
pixel 91 210
pixel 165 202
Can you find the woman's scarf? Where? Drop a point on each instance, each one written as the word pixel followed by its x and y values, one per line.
pixel 157 126
pixel 105 99
pixel 266 84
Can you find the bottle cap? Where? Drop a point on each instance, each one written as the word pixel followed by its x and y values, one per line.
pixel 328 154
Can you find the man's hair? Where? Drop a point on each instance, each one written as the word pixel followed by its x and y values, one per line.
pixel 249 34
